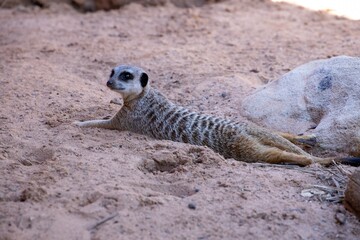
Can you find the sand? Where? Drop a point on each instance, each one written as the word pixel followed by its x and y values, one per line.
pixel 58 181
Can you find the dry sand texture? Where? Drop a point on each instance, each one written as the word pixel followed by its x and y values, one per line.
pixel 58 181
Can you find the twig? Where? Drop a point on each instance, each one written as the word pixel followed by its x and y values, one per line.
pixel 333 173
pixel 335 199
pixel 335 182
pixel 327 188
pixel 337 177
pixel 102 221
pixel 288 166
pixel 342 170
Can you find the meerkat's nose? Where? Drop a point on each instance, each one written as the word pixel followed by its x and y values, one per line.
pixel 109 83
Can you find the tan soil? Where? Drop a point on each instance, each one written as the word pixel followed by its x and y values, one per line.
pixel 58 181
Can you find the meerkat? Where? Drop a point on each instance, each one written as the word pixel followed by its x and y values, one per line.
pixel 146 111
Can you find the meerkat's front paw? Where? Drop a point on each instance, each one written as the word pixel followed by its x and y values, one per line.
pixel 95 123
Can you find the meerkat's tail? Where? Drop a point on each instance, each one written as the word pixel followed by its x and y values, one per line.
pixel 352 161
pixel 310 141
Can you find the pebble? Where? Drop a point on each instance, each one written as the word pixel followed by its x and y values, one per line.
pixel 340 218
pixel 192 206
pixel 224 95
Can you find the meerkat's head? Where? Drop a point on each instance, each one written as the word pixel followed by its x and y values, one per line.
pixel 129 81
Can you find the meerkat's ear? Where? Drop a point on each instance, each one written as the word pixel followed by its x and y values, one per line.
pixel 144 79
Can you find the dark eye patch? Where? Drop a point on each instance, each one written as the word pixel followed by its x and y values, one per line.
pixel 125 76
pixel 112 73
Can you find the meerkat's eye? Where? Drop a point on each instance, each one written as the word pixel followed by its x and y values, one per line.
pixel 112 73
pixel 125 76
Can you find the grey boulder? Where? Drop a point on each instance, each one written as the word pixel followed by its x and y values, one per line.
pixel 320 97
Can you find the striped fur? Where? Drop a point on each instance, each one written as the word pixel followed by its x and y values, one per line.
pixel 147 111
pixel 154 115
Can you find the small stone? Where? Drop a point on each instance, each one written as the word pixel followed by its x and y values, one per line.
pixel 340 218
pixel 192 206
pixel 224 95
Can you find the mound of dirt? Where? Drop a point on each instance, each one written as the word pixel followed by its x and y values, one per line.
pixel 58 181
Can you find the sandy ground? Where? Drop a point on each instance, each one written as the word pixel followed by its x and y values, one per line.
pixel 58 181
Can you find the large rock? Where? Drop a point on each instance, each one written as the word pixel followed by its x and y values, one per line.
pixel 352 194
pixel 322 95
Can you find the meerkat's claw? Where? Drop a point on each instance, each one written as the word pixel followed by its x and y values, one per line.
pixel 78 123
pixel 307 140
pixel 302 140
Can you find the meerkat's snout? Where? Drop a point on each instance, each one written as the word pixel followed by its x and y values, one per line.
pixel 110 83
